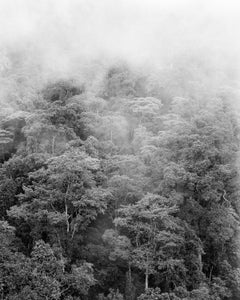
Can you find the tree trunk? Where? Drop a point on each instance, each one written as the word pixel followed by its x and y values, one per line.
pixel 200 260
pixel 146 280
pixel 146 275
pixel 210 274
pixel 130 290
pixel 66 210
pixel 129 274
pixel 53 145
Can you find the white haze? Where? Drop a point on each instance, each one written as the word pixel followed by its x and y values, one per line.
pixel 60 34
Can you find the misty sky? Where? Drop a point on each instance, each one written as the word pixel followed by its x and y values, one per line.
pixel 60 31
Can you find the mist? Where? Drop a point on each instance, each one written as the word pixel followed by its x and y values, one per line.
pixel 119 149
pixel 62 35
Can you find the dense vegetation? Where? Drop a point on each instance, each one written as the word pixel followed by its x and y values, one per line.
pixel 125 190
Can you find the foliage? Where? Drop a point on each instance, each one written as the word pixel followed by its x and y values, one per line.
pixel 127 192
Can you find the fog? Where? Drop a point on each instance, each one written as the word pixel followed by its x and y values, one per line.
pixel 60 33
pixel 111 103
pixel 48 40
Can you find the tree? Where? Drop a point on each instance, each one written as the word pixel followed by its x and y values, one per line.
pixel 152 230
pixel 63 199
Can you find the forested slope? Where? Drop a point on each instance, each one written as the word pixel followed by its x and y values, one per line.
pixel 120 186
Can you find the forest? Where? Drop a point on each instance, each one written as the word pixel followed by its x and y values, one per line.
pixel 121 186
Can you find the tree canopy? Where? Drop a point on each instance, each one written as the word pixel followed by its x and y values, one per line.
pixel 126 192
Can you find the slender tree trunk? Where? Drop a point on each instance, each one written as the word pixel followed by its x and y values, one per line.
pixel 73 231
pixel 53 145
pixel 66 216
pixel 129 289
pixel 146 279
pixel 147 275
pixel 200 260
pixel 130 274
pixel 210 274
pixel 66 210
pixel 61 256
